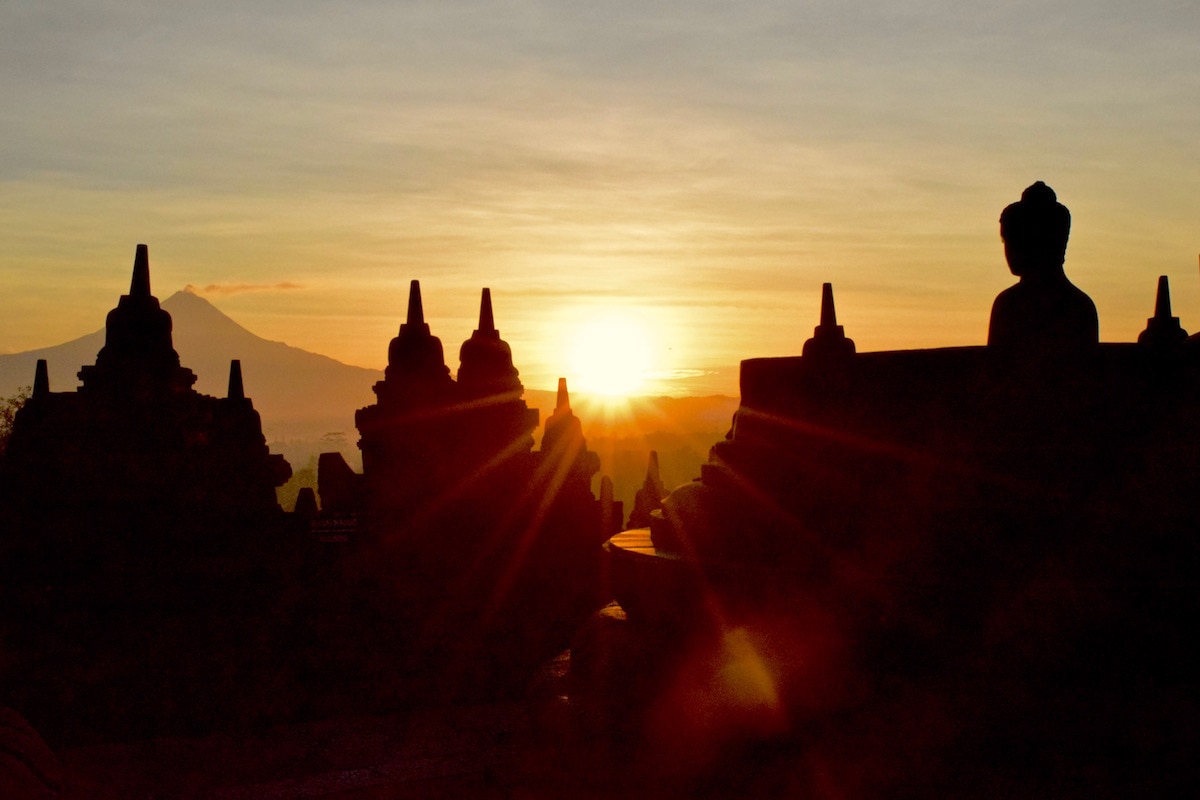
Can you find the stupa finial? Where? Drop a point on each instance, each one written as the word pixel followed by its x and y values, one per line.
pixel 563 441
pixel 563 401
pixel 140 285
pixel 1162 299
pixel 41 379
pixel 487 323
pixel 829 338
pixel 237 390
pixel 652 474
pixel 650 497
pixel 416 312
pixel 1162 329
pixel 828 312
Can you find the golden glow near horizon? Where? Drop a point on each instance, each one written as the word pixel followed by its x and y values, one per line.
pixel 705 167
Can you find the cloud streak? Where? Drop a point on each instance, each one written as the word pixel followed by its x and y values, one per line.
pixel 226 289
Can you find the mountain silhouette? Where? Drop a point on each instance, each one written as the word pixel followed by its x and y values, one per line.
pixel 300 395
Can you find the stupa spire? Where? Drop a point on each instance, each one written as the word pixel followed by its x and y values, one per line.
pixel 563 441
pixel 237 390
pixel 829 338
pixel 828 312
pixel 140 285
pixel 1162 299
pixel 416 311
pixel 487 323
pixel 563 401
pixel 650 497
pixel 41 379
pixel 652 473
pixel 1162 329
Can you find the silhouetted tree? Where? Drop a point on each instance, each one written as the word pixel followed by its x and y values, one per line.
pixel 9 406
pixel 305 477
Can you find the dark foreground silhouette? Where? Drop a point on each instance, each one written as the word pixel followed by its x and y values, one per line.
pixel 945 572
pixel 153 586
pixel 954 572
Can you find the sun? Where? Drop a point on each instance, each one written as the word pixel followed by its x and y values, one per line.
pixel 610 353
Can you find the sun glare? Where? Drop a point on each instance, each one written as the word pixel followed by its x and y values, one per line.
pixel 610 354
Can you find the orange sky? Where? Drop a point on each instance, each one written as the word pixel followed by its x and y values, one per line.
pixel 700 168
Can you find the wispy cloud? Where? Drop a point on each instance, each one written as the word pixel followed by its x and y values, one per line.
pixel 241 288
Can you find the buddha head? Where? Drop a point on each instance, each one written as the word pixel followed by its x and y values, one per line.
pixel 1035 231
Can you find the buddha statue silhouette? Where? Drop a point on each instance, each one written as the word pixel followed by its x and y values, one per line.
pixel 1043 311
